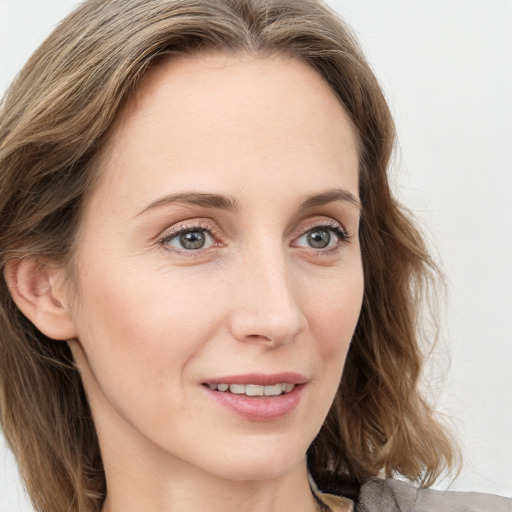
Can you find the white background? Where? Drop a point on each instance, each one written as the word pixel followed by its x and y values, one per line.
pixel 446 68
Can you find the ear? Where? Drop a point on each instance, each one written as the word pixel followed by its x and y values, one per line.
pixel 36 290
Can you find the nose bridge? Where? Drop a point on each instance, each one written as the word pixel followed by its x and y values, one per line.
pixel 268 304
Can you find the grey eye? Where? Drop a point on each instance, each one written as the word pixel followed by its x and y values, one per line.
pixel 191 240
pixel 322 237
pixel 318 238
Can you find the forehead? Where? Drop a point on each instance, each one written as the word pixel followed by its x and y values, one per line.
pixel 215 117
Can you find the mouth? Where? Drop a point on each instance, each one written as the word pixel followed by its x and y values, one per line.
pixel 258 397
pixel 253 390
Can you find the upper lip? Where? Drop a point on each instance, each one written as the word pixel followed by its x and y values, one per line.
pixel 260 379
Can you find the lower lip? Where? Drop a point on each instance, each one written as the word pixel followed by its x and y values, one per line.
pixel 259 408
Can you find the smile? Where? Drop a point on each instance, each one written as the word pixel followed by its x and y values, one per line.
pixel 253 389
pixel 258 396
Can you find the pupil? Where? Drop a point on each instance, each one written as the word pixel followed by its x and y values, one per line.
pixel 319 238
pixel 192 239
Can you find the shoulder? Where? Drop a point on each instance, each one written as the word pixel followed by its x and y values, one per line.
pixel 395 496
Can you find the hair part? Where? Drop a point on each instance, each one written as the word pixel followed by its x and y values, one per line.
pixel 53 122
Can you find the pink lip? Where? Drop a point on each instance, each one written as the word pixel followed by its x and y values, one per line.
pixel 260 379
pixel 264 408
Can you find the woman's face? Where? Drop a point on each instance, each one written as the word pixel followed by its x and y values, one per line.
pixel 220 248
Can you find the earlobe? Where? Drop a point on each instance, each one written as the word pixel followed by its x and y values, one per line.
pixel 33 287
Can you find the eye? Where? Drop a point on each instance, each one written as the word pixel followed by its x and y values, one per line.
pixel 189 239
pixel 322 237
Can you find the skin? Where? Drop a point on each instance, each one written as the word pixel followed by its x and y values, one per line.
pixel 155 320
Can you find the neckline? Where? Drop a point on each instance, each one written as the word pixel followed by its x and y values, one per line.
pixel 340 503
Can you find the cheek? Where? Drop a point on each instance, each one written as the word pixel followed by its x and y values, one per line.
pixel 334 311
pixel 333 315
pixel 140 350
pixel 139 328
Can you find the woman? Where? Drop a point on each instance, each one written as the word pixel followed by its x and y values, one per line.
pixel 205 274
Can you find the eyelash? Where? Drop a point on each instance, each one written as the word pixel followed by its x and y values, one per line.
pixel 331 226
pixel 341 234
pixel 176 232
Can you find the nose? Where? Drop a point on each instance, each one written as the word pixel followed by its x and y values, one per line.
pixel 267 304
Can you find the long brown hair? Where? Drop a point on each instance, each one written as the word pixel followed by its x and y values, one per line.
pixel 53 121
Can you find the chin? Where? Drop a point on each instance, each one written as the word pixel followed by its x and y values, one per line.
pixel 267 470
pixel 259 464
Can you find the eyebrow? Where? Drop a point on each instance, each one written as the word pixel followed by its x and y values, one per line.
pixel 329 196
pixel 216 201
pixel 221 202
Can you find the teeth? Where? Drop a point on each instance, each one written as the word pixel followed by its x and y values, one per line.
pixel 273 390
pixel 288 387
pixel 237 389
pixel 253 389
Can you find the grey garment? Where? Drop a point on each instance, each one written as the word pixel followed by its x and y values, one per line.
pixel 395 496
